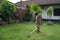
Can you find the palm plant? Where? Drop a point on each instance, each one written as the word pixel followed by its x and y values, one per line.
pixel 49 13
pixel 36 9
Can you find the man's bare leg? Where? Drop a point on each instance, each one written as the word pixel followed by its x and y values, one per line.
pixel 37 28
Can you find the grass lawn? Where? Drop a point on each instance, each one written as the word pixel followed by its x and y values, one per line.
pixel 20 31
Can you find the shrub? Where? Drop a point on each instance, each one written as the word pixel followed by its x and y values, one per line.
pixel 28 15
pixel 7 9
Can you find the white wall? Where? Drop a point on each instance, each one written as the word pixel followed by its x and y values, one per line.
pixel 44 14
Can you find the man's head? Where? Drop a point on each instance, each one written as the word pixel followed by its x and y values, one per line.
pixel 36 14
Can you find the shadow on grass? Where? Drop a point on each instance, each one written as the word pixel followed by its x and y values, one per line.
pixel 38 36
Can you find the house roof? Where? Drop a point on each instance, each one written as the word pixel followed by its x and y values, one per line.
pixel 22 3
pixel 39 2
pixel 43 2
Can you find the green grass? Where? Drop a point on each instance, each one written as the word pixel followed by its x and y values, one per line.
pixel 20 31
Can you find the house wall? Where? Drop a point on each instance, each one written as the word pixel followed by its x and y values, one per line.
pixel 44 14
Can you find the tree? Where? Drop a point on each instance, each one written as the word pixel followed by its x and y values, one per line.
pixel 36 9
pixel 7 9
pixel 49 13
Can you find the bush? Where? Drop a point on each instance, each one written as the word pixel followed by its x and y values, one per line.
pixel 7 9
pixel 28 15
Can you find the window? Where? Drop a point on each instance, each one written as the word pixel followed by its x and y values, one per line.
pixel 57 12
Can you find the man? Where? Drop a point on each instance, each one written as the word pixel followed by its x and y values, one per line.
pixel 38 22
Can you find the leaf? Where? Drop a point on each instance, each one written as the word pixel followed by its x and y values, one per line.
pixel 7 8
pixel 49 10
pixel 35 8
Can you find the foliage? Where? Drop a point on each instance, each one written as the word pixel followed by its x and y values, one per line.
pixel 7 9
pixel 35 8
pixel 28 15
pixel 49 10
pixel 49 13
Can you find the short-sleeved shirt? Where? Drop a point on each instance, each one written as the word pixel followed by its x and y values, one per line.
pixel 37 21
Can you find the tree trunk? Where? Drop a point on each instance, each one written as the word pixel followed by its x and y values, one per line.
pixel 33 17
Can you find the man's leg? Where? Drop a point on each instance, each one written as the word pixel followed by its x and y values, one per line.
pixel 38 27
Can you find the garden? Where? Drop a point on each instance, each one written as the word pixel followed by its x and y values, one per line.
pixel 27 28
